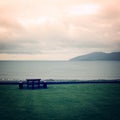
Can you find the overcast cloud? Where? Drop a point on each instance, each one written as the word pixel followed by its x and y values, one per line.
pixel 58 29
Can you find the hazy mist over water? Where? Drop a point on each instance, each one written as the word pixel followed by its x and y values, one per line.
pixel 57 70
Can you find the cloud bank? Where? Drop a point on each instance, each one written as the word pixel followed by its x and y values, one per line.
pixel 53 30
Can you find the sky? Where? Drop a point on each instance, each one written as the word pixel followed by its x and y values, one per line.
pixel 58 29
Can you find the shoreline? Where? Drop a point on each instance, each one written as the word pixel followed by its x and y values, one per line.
pixel 52 81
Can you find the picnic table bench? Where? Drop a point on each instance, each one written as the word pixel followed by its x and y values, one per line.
pixel 33 84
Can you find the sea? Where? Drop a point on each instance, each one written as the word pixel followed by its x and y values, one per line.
pixel 59 70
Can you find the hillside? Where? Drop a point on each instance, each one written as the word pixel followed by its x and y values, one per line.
pixel 98 56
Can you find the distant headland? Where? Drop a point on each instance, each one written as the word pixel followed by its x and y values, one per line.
pixel 98 56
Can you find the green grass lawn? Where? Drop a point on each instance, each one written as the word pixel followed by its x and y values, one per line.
pixel 61 102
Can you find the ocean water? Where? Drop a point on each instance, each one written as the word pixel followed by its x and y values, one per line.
pixel 60 70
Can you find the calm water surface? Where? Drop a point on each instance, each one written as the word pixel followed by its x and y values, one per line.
pixel 67 70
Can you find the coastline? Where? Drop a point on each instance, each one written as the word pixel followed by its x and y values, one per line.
pixel 52 81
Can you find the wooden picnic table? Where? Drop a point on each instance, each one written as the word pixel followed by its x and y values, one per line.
pixel 33 84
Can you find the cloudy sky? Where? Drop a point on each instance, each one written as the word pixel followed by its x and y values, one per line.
pixel 57 29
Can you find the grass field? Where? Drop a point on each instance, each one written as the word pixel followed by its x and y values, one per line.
pixel 61 102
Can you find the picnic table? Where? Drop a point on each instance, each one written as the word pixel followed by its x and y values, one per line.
pixel 33 84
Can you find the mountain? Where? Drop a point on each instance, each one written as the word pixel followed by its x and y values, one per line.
pixel 98 56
